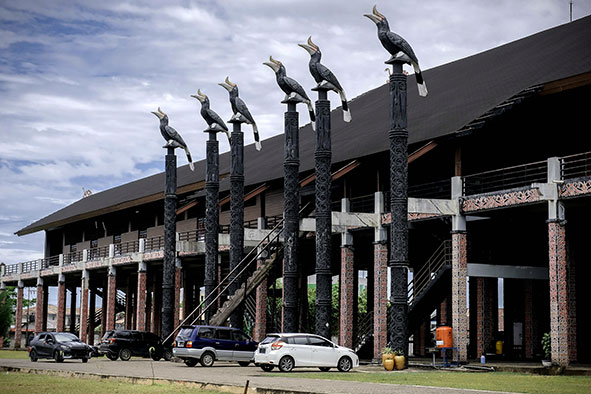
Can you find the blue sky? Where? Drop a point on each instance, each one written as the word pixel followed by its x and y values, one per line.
pixel 78 79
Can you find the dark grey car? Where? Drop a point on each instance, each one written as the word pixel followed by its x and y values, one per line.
pixel 59 346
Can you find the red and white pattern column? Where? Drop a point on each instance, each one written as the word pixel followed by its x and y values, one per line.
pixel 140 322
pixel 347 296
pixel 111 295
pixel 486 307
pixel 562 325
pixel 260 325
pixel 528 318
pixel 84 307
pixel 39 306
pixel 380 313
pixel 18 332
pixel 458 293
pixel 61 303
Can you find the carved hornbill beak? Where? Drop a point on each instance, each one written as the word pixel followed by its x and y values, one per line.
pixel 376 17
pixel 273 64
pixel 199 96
pixel 159 114
pixel 311 47
pixel 227 84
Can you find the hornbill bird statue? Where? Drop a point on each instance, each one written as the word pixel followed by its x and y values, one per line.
pixel 397 46
pixel 324 77
pixel 240 109
pixel 212 119
pixel 172 137
pixel 292 89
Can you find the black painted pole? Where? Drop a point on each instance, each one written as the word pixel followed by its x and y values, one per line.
pixel 236 212
pixel 168 270
pixel 398 261
pixel 212 187
pixel 323 157
pixel 291 196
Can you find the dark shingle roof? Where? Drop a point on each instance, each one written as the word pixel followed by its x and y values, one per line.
pixel 459 92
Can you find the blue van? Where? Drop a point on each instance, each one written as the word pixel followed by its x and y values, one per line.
pixel 205 344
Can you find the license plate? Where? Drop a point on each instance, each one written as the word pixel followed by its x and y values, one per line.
pixel 181 344
pixel 262 350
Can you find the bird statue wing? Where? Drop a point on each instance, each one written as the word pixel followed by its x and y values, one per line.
pixel 296 87
pixel 216 119
pixel 174 135
pixel 328 76
pixel 243 109
pixel 403 45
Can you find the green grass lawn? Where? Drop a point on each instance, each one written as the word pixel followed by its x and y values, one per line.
pixel 22 354
pixel 496 381
pixel 22 383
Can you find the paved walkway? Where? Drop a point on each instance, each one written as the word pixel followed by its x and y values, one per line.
pixel 226 374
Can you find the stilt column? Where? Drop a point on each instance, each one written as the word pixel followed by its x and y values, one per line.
pixel 458 293
pixel 141 298
pixel 111 298
pixel 61 303
pixel 260 327
pixel 39 306
pixel 347 292
pixel 19 315
pixel 84 307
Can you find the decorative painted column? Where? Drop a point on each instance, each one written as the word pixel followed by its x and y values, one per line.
pixel 61 303
pixel 140 321
pixel 380 284
pixel 347 293
pixel 323 156
pixel 128 304
pixel 18 321
pixel 84 307
pixel 236 213
pixel 486 311
pixel 260 327
pixel 149 306
pixel 39 305
pixel 177 291
pixel 111 297
pixel 168 269
pixel 528 318
pixel 291 198
pixel 212 213
pixel 398 261
pixel 459 274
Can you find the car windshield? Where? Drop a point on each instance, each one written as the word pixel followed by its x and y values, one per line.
pixel 270 339
pixel 65 337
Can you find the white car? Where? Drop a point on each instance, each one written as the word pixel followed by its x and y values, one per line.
pixel 288 351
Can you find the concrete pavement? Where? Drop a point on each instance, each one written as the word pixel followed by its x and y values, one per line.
pixel 222 376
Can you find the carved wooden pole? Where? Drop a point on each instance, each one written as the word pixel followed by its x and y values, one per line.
pixel 236 212
pixel 168 270
pixel 291 196
pixel 212 187
pixel 322 157
pixel 398 261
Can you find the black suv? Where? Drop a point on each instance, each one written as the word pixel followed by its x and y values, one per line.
pixel 126 343
pixel 59 346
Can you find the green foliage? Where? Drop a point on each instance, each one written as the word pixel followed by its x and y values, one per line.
pixel 547 346
pixel 7 302
pixel 398 352
pixel 387 350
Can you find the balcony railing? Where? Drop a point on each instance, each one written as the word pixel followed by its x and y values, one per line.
pixel 124 248
pixel 576 166
pixel 506 178
pixel 98 253
pixel 154 244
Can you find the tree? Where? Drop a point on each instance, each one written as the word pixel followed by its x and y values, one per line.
pixel 7 305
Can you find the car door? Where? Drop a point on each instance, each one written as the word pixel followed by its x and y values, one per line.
pixel 243 346
pixel 140 343
pixel 224 344
pixel 323 354
pixel 41 345
pixel 300 350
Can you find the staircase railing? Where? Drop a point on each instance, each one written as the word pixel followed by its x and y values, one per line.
pixel 262 248
pixel 421 279
pixel 364 331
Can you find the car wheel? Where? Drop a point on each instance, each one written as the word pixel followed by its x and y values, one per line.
pixel 155 356
pixel 207 359
pixel 190 362
pixel 286 364
pixel 57 356
pixel 168 354
pixel 33 355
pixel 85 360
pixel 244 363
pixel 112 356
pixel 324 369
pixel 267 367
pixel 125 354
pixel 345 364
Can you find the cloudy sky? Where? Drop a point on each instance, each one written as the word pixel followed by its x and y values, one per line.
pixel 78 79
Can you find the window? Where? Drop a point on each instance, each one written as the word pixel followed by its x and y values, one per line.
pixel 124 335
pixel 224 334
pixel 270 339
pixel 206 332
pixel 298 340
pixel 315 341
pixel 240 336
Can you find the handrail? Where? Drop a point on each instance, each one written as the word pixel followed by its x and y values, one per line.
pixel 428 271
